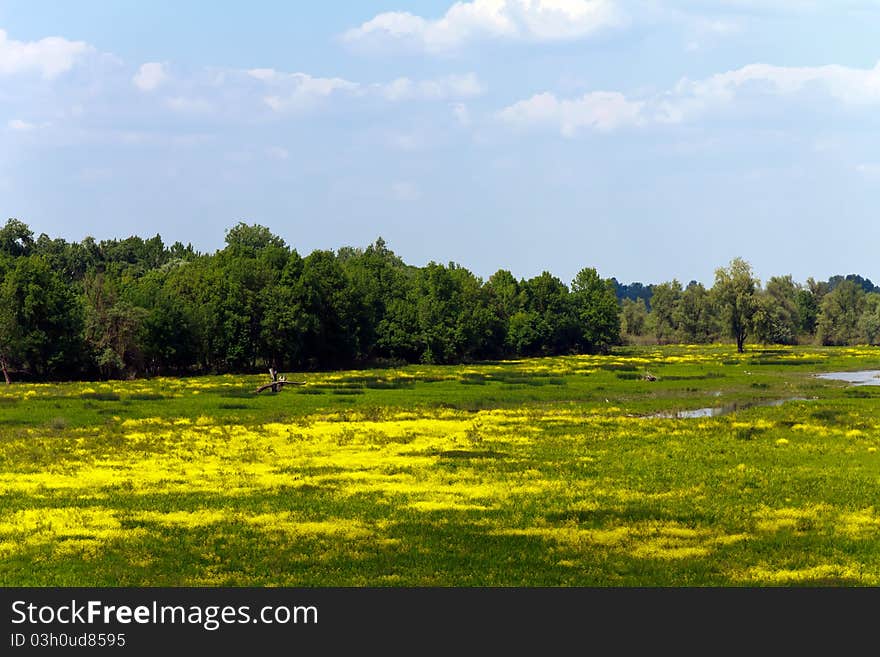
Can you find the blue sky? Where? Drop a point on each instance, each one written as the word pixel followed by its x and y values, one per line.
pixel 651 140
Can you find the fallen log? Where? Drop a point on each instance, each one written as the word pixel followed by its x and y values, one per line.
pixel 278 382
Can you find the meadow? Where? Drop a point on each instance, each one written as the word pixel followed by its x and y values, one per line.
pixel 565 471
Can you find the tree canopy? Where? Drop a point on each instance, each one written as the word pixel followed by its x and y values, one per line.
pixel 134 306
pixel 138 307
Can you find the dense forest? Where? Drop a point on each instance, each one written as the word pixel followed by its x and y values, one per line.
pixel 136 307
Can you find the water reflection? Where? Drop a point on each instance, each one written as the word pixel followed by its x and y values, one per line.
pixel 860 378
pixel 715 411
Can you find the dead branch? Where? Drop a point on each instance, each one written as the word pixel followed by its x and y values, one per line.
pixel 278 382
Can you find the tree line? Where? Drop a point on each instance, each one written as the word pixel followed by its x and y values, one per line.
pixel 137 307
pixel 844 310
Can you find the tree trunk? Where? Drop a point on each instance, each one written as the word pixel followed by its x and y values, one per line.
pixel 5 370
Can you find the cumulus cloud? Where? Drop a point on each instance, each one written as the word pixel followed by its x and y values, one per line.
pixel 851 86
pixel 150 76
pixel 189 105
pixel 300 91
pixel 466 22
pixel 50 57
pixel 450 86
pixel 18 125
pixel 780 6
pixel 692 99
pixel 600 110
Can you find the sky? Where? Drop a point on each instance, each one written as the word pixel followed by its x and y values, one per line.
pixel 650 140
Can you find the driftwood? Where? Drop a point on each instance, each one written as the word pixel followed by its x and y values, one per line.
pixel 278 382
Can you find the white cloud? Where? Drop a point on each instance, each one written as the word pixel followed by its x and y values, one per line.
pixel 50 57
pixel 150 76
pixel 599 110
pixel 189 105
pixel 466 22
pixel 849 85
pixel 450 86
pixel 299 91
pixel 405 191
pixel 689 100
pixel 770 5
pixel 20 126
pixel 265 74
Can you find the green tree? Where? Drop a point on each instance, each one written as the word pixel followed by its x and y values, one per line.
pixel 16 239
pixel 505 299
pixel 377 278
pixel 664 315
pixel 10 333
pixel 869 323
pixel 250 240
pixel 807 311
pixel 696 318
pixel 285 322
pixel 735 292
pixel 41 320
pixel 112 327
pixel 547 324
pixel 454 322
pixel 634 316
pixel 328 309
pixel 777 314
pixel 840 314
pixel 594 303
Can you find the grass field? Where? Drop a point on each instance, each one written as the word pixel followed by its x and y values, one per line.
pixel 545 472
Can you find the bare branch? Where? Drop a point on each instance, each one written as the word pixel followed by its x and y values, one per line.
pixel 275 385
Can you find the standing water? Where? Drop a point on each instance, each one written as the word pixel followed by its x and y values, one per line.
pixel 861 378
pixel 715 411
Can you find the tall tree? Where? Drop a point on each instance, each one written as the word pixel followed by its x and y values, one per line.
pixel 376 277
pixel 10 333
pixel 249 240
pixel 735 291
pixel 547 324
pixel 664 310
pixel 777 314
pixel 112 327
pixel 869 323
pixel 504 298
pixel 696 316
pixel 323 293
pixel 840 314
pixel 595 306
pixel 633 316
pixel 41 322
pixel 16 239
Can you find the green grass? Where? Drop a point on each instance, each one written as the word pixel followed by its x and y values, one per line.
pixel 540 472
